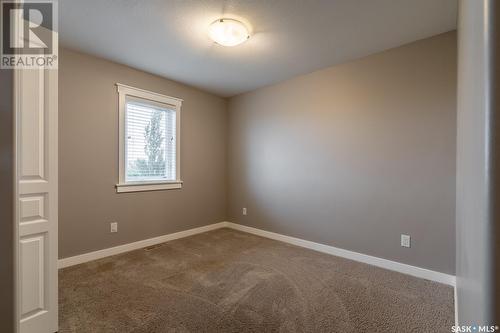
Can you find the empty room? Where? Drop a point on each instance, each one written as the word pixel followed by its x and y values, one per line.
pixel 249 166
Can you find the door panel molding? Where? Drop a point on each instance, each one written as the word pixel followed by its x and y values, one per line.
pixel 35 99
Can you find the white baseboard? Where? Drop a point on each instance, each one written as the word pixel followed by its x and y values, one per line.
pixel 364 258
pixel 455 298
pixel 82 258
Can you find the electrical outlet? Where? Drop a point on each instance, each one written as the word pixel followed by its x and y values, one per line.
pixel 114 226
pixel 405 240
pixel 244 211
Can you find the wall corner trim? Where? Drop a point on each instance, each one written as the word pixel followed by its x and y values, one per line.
pixel 364 258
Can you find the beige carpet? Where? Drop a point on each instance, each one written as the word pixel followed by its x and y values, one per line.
pixel 229 281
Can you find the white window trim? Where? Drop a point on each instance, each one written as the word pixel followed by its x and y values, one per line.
pixel 138 186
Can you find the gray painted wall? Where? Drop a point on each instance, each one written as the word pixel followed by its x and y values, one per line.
pixel 494 250
pixel 354 155
pixel 477 153
pixel 88 152
pixel 6 203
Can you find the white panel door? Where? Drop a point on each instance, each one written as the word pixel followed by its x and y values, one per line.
pixel 36 151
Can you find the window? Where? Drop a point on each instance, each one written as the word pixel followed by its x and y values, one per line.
pixel 149 140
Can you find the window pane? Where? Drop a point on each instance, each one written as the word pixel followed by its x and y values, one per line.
pixel 150 142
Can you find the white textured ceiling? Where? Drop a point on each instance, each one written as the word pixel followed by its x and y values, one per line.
pixel 289 37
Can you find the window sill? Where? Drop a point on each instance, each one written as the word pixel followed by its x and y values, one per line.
pixel 142 187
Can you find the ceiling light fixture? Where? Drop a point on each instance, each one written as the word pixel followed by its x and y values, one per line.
pixel 228 32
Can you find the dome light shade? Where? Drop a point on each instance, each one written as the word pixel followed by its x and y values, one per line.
pixel 228 32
